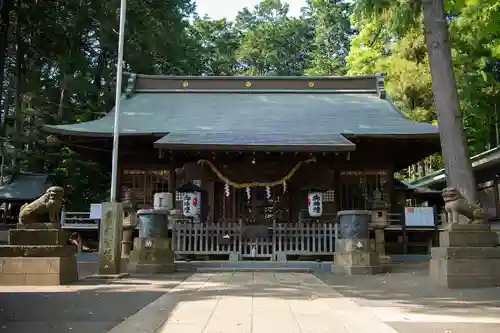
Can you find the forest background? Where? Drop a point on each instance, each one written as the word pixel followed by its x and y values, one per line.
pixel 58 61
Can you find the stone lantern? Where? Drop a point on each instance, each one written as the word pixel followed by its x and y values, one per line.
pixel 380 221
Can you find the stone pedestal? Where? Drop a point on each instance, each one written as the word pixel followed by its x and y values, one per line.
pixel 354 257
pixel 38 257
pixel 468 257
pixel 152 255
pixel 152 249
pixel 353 251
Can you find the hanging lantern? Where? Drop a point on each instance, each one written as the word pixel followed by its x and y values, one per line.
pixel 190 199
pixel 190 204
pixel 315 200
pixel 226 190
pixel 284 186
pixel 315 204
pixel 268 192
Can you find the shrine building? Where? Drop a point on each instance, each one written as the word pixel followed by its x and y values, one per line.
pixel 260 148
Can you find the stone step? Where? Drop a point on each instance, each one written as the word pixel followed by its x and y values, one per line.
pixel 38 237
pixel 253 269
pixel 39 225
pixel 37 251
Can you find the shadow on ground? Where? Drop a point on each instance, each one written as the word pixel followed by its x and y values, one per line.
pixel 88 306
pixel 409 288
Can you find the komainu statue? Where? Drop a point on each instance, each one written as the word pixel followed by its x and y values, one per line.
pixel 47 206
pixel 456 204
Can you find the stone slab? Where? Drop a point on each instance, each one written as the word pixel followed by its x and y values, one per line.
pixel 153 243
pixel 468 238
pixel 465 252
pixel 37 250
pixel 107 276
pixel 468 227
pixel 357 270
pixel 38 271
pixel 357 258
pixel 150 268
pixel 349 245
pixel 38 237
pixel 56 226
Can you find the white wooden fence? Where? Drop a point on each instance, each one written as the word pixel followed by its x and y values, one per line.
pixel 311 238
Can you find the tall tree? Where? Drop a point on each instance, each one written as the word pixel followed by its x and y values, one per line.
pixel 332 28
pixel 453 140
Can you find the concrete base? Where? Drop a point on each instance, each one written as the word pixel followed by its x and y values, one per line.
pixel 37 257
pixel 151 255
pixel 470 258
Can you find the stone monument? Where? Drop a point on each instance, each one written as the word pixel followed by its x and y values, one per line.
pixel 152 251
pixel 129 221
pixel 468 255
pixel 379 222
pixel 110 238
pixel 38 252
pixel 353 252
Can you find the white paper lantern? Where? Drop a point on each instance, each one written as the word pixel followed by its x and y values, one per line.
pixel 162 201
pixel 315 204
pixel 190 204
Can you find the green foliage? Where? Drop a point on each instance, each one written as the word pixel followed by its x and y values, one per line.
pixel 60 57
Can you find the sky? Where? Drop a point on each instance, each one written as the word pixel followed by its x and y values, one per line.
pixel 217 9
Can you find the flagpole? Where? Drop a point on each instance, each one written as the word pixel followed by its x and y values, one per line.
pixel 116 127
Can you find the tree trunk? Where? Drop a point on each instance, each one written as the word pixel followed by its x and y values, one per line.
pixel 5 10
pixel 457 163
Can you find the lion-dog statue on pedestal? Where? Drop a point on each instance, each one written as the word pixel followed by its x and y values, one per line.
pixel 456 204
pixel 48 204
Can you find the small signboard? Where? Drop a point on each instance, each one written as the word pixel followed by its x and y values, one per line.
pixel 420 217
pixel 95 211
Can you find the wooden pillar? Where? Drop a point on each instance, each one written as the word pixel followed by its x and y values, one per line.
pixel 337 186
pixel 211 200
pixel 497 196
pixel 172 185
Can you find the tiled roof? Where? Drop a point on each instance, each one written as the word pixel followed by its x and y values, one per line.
pixel 252 116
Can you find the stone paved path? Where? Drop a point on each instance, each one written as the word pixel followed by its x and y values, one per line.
pixel 261 302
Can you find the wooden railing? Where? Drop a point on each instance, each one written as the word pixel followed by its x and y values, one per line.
pixel 78 221
pixel 218 239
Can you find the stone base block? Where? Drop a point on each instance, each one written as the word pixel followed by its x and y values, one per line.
pixel 357 258
pixel 151 255
pixel 38 237
pixel 356 270
pixel 468 235
pixel 358 261
pixel 465 267
pixel 150 268
pixel 33 271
